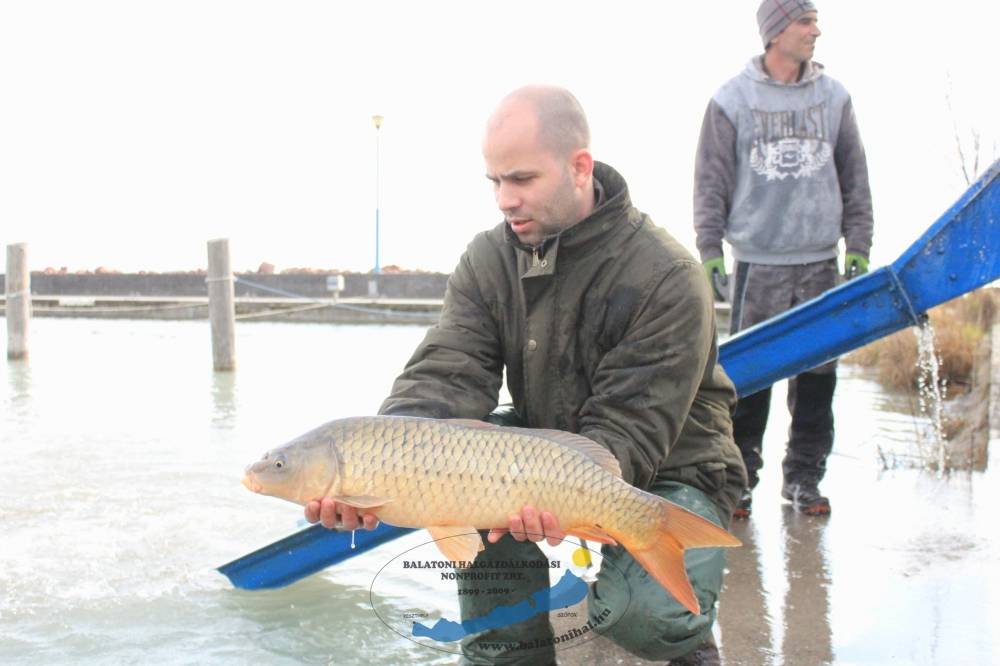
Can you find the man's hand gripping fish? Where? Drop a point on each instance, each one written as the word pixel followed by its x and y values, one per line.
pixel 456 476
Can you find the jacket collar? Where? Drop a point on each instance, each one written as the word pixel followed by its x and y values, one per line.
pixel 613 203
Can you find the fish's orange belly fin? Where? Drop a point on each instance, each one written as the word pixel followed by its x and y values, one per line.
pixel 458 544
pixel 591 533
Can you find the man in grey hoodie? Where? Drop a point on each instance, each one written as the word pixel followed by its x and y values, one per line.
pixel 780 175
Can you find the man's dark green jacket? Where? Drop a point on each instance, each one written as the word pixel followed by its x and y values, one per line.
pixel 607 330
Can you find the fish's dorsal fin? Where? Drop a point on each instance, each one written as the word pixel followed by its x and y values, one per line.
pixel 472 423
pixel 457 543
pixel 584 445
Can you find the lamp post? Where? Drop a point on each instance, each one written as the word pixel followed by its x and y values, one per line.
pixel 378 232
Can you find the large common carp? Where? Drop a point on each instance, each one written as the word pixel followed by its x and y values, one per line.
pixel 456 476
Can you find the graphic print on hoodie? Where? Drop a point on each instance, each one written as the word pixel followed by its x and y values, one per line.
pixel 789 143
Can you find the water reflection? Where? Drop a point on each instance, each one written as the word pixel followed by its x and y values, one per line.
pixel 797 630
pixel 744 622
pixel 807 636
pixel 224 399
pixel 17 404
pixel 19 379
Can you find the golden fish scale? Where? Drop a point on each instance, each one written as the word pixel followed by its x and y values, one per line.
pixel 438 473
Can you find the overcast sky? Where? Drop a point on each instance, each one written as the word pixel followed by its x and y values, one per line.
pixel 133 132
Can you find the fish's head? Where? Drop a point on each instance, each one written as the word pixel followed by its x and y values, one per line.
pixel 298 472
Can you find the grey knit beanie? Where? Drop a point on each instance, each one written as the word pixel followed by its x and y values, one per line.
pixel 773 16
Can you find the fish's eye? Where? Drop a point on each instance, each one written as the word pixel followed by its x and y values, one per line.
pixel 279 464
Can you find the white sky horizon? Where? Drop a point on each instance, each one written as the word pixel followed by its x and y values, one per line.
pixel 133 132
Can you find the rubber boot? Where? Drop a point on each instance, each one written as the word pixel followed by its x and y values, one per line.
pixel 810 440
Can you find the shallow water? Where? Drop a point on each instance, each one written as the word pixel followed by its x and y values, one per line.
pixel 120 495
pixel 124 452
pixel 904 570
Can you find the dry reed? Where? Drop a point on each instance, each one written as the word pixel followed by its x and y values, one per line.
pixel 958 325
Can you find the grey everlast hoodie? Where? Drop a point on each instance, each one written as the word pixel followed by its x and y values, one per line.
pixel 780 171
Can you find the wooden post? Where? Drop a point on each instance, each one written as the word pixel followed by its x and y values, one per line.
pixel 18 292
pixel 221 307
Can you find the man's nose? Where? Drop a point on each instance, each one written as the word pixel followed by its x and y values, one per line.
pixel 506 197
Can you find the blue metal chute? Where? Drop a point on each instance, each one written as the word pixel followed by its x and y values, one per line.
pixel 958 253
pixel 850 316
pixel 303 554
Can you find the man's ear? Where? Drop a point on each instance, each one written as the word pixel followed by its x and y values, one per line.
pixel 582 164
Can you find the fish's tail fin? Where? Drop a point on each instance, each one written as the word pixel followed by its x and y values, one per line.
pixel 663 555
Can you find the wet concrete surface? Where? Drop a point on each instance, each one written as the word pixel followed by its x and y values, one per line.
pixel 903 571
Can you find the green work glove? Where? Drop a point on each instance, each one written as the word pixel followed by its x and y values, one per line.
pixel 716 271
pixel 854 265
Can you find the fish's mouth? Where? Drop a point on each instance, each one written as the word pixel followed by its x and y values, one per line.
pixel 251 484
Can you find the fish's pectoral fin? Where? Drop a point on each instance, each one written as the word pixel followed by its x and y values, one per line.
pixel 362 501
pixel 457 543
pixel 591 533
